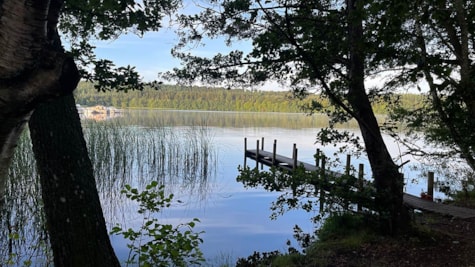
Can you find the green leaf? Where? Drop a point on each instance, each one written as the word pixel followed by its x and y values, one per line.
pixel 167 243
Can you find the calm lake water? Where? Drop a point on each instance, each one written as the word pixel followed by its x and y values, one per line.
pixel 196 155
pixel 236 219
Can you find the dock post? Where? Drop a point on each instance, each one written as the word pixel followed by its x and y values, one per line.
pixel 317 158
pixel 245 152
pixel 274 151
pixel 430 184
pixel 348 164
pixel 347 173
pixel 323 184
pixel 295 159
pixel 360 183
pixel 294 156
pixel 262 149
pixel 257 154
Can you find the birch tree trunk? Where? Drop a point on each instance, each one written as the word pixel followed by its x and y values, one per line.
pixel 75 222
pixel 31 70
pixel 34 68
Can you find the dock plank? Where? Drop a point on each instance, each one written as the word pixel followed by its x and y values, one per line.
pixel 427 205
pixel 266 158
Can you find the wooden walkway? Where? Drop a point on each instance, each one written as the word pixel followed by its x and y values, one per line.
pixel 271 159
pixel 444 209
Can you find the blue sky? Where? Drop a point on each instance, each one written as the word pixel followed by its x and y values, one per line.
pixel 149 54
pixel 152 53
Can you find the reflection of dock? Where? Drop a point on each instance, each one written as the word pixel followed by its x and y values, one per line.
pixel 98 113
pixel 272 159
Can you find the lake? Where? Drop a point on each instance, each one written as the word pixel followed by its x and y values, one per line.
pixel 236 219
pixel 196 155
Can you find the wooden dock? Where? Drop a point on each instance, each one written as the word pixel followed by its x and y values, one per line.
pixel 269 159
pixel 272 159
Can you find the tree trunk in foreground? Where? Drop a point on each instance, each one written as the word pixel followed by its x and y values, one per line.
pixel 31 70
pixel 75 222
pixel 388 181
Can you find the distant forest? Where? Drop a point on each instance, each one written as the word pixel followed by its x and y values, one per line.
pixel 217 99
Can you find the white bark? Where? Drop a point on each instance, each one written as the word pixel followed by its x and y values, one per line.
pixel 22 35
pixel 31 70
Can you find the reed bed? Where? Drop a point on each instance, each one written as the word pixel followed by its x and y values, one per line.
pixel 182 158
pixel 23 235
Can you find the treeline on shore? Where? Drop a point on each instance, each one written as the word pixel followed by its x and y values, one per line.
pixel 217 99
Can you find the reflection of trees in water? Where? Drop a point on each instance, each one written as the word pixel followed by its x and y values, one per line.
pixel 227 119
pixel 183 158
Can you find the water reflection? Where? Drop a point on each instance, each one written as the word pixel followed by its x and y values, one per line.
pixel 150 118
pixel 182 158
pixel 195 154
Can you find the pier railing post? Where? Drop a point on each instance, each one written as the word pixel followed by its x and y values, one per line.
pixel 323 180
pixel 347 173
pixel 430 184
pixel 317 158
pixel 294 157
pixel 348 164
pixel 274 151
pixel 360 184
pixel 245 152
pixel 262 149
pixel 257 154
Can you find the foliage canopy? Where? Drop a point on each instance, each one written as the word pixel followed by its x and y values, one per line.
pixel 317 45
pixel 81 23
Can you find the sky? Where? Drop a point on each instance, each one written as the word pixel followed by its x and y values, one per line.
pixel 152 53
pixel 149 54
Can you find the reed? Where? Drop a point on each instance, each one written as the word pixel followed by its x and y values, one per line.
pixel 23 236
pixel 181 158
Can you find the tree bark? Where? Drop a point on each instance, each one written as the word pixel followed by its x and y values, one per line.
pixel 387 179
pixel 75 221
pixel 34 68
pixel 30 70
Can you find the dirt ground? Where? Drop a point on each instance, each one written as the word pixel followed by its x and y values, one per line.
pixel 445 242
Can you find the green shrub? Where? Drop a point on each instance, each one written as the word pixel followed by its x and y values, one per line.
pixel 155 244
pixel 341 226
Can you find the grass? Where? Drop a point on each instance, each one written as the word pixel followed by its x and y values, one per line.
pixel 23 237
pixel 222 259
pixel 352 240
pixel 464 198
pixel 120 155
pixel 339 234
pixel 181 157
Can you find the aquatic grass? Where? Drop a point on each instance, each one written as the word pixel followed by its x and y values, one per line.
pixel 221 259
pixel 23 236
pixel 182 158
